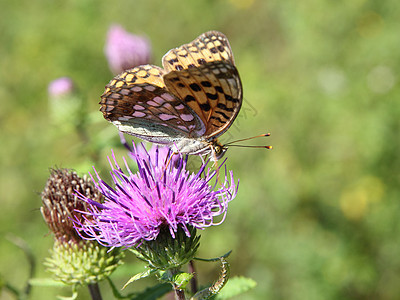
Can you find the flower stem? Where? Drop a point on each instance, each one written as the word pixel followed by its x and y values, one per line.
pixel 94 291
pixel 193 281
pixel 179 294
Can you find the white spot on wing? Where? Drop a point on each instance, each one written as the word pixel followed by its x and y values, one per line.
pixel 186 118
pixel 159 100
pixel 136 89
pixel 152 103
pixel 138 114
pixel 125 92
pixel 150 88
pixel 168 106
pixel 231 81
pixel 126 118
pixel 167 97
pixel 138 107
pixel 166 117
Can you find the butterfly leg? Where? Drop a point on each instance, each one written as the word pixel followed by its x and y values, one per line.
pixel 169 161
pixel 170 158
pixel 215 159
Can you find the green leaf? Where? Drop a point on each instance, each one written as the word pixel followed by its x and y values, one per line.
pixel 236 286
pixel 151 293
pixel 139 276
pixel 177 278
pixel 182 279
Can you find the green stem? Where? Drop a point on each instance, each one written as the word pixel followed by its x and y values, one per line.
pixel 179 293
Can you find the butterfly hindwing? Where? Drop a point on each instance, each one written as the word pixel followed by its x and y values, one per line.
pixel 210 46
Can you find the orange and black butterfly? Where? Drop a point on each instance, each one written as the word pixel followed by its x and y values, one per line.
pixel 185 105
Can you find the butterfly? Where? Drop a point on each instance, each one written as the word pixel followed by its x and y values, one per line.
pixel 186 105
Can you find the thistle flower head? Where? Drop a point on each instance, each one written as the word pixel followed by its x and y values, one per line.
pixel 73 260
pixel 60 205
pixel 125 50
pixel 159 196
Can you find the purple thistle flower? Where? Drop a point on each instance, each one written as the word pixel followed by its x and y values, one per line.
pixel 125 50
pixel 159 196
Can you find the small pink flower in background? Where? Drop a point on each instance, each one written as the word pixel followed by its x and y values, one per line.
pixel 125 50
pixel 60 86
pixel 65 104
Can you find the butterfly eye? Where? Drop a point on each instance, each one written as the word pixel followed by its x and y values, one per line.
pixel 219 151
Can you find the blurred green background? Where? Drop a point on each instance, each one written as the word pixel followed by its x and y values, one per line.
pixel 317 217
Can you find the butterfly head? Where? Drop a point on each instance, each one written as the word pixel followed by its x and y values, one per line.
pixel 218 150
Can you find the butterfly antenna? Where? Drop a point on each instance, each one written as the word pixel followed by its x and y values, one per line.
pixel 250 138
pixel 230 144
pixel 251 146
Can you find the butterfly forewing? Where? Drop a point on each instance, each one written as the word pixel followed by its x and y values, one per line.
pixel 212 90
pixel 138 103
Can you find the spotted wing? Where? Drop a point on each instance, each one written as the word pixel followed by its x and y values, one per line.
pixel 138 103
pixel 210 46
pixel 203 75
